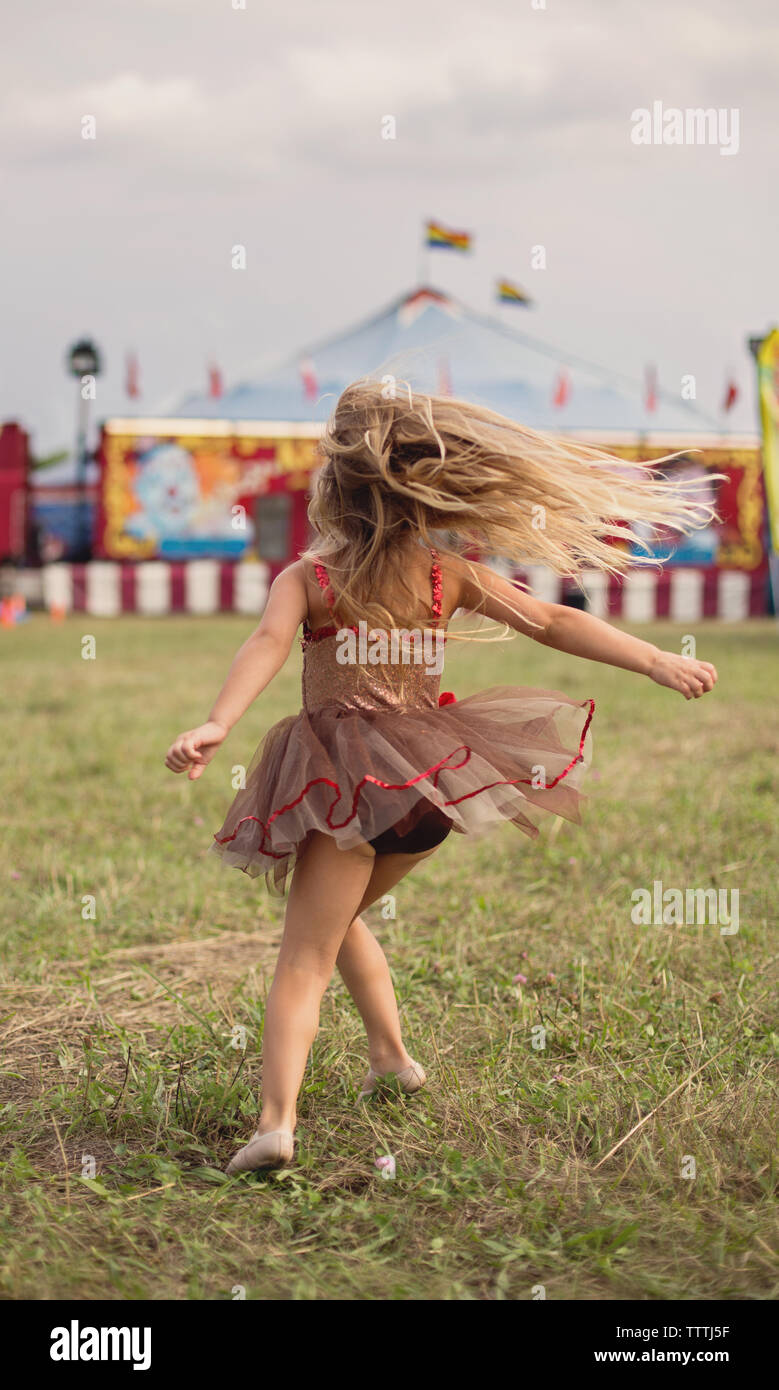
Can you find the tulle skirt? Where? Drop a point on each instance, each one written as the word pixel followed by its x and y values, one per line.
pixel 504 754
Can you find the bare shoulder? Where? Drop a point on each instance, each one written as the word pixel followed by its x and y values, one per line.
pixel 290 584
pixel 475 584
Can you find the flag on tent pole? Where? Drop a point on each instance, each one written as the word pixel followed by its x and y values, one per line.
pixel 215 387
pixel 562 389
pixel 447 240
pixel 650 396
pixel 308 377
pixel 509 293
pixel 132 378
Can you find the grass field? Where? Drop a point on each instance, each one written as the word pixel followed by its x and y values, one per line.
pixel 516 1169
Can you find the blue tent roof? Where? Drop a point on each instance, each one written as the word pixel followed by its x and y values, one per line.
pixel 436 343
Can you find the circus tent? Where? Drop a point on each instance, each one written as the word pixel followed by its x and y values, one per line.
pixel 438 345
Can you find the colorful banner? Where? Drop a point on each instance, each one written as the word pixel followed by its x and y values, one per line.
pixel 166 495
pixel 735 540
pixel 768 391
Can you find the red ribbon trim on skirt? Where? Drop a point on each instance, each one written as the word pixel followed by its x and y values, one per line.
pixel 436 769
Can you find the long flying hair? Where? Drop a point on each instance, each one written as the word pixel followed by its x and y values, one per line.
pixel 403 467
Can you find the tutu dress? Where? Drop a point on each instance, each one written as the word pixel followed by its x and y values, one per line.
pixel 377 754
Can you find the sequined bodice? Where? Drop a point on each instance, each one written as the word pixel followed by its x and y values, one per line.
pixel 355 668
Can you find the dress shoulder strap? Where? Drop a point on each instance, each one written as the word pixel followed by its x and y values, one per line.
pixel 437 585
pixel 323 580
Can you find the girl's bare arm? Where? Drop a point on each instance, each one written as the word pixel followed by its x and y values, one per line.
pixel 580 634
pixel 254 666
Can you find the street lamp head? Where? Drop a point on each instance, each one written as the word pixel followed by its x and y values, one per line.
pixel 84 359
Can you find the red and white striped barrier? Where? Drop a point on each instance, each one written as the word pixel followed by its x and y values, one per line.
pixel 107 588
pixel 683 595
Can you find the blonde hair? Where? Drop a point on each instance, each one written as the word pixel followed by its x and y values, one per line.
pixel 400 466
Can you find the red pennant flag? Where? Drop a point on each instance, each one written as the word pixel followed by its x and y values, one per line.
pixel 650 399
pixel 444 378
pixel 132 378
pixel 215 387
pixel 731 395
pixel 562 390
pixel 308 377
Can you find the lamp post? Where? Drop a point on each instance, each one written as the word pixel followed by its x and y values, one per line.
pixel 83 360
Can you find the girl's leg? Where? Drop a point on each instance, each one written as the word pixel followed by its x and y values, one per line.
pixel 365 972
pixel 328 887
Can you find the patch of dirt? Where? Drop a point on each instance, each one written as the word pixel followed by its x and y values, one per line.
pixel 143 991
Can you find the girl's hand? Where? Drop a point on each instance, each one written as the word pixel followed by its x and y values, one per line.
pixel 195 749
pixel 692 678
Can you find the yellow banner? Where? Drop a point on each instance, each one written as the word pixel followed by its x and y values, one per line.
pixel 768 387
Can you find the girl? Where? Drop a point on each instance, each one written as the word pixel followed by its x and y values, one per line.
pixel 377 768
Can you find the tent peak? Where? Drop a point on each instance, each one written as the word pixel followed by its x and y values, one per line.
pixel 424 297
pixel 426 292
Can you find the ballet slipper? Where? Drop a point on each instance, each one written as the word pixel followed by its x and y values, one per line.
pixel 410 1079
pixel 270 1150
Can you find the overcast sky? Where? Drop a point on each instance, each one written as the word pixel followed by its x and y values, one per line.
pixel 262 126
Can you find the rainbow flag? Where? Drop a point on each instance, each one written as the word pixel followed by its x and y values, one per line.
pixel 448 241
pixel 509 293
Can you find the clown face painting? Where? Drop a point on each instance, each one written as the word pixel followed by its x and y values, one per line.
pixel 183 511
